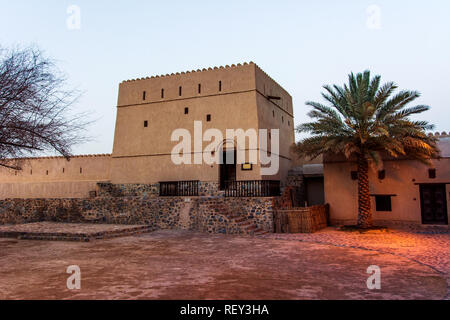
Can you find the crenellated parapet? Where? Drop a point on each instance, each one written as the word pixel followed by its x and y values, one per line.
pixel 191 72
pixel 61 157
pixel 439 134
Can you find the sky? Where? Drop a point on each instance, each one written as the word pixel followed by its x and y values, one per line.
pixel 303 45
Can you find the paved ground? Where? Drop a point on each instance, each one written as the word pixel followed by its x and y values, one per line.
pixel 186 265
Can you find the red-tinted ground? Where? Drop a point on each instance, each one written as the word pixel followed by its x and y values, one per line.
pixel 187 265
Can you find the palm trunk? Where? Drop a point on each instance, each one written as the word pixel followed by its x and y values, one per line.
pixel 364 210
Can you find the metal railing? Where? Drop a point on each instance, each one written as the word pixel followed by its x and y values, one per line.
pixel 252 188
pixel 178 189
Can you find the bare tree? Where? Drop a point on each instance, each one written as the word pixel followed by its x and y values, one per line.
pixel 35 108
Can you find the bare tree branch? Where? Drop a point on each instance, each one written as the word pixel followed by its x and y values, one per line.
pixel 35 108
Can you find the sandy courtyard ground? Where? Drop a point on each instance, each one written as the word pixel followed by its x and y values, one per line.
pixel 188 265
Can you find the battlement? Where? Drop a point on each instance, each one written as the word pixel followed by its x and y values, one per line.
pixel 439 134
pixel 61 157
pixel 192 71
pixel 212 81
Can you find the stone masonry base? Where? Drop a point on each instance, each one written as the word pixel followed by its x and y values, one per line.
pixel 207 214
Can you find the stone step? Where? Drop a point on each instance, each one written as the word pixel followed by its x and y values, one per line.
pixel 54 238
pixel 78 237
pixel 246 223
pixel 238 219
pixel 259 232
pixel 252 228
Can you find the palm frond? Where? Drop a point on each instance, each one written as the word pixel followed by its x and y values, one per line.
pixel 365 118
pixel 396 103
pixel 383 94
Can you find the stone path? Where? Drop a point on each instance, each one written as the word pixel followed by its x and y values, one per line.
pixel 430 248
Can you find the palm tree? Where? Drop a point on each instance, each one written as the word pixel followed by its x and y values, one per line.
pixel 365 121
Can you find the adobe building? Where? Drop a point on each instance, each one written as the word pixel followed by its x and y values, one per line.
pixel 231 198
pixel 404 192
pixel 148 112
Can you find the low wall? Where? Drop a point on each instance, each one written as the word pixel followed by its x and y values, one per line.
pixel 37 190
pixel 54 177
pixel 83 189
pixel 109 190
pixel 207 214
pixel 206 189
pixel 301 220
pixel 126 210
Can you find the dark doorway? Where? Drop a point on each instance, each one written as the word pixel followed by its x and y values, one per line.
pixel 315 194
pixel 227 168
pixel 433 202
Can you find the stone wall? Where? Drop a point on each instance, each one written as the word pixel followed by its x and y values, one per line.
pixel 207 214
pixel 234 215
pixel 206 188
pixel 209 188
pixel 157 212
pixel 106 190
pixel 296 181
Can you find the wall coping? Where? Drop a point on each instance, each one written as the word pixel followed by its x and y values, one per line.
pixel 62 157
pixel 192 71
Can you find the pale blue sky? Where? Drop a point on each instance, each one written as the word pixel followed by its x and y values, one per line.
pixel 301 44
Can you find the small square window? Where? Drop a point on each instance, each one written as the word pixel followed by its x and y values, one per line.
pixel 208 118
pixel 186 110
pixel 354 175
pixel 432 173
pixel 145 124
pixel 382 174
pixel 383 203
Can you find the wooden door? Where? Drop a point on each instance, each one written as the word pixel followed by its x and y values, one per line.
pixel 227 170
pixel 433 202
